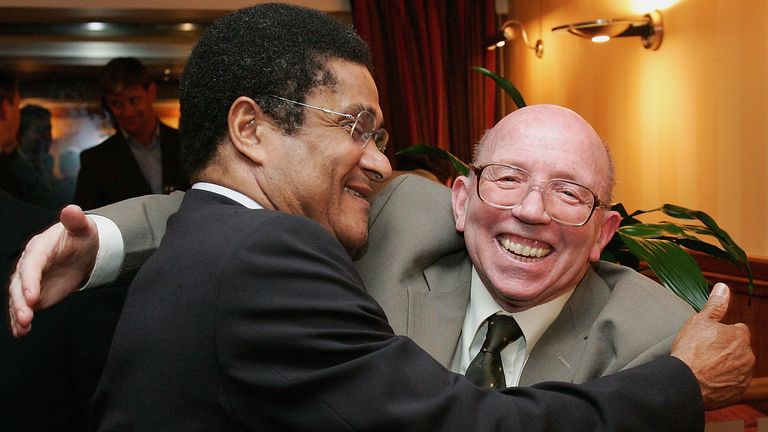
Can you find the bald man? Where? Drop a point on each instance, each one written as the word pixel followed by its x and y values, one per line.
pixel 533 238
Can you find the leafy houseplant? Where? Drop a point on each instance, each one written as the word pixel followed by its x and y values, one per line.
pixel 662 246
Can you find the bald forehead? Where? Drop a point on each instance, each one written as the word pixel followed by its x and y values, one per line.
pixel 545 126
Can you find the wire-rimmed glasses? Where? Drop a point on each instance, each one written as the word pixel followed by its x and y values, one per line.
pixel 362 127
pixel 506 187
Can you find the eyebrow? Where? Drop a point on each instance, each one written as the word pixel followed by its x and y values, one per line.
pixel 355 108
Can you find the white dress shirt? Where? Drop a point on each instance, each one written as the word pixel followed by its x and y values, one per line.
pixel 533 322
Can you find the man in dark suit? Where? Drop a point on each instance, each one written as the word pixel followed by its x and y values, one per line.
pixel 142 157
pixel 251 315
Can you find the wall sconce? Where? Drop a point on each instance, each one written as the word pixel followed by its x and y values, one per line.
pixel 649 27
pixel 507 33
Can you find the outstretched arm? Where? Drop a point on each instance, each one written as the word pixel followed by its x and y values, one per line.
pixel 54 264
pixel 57 262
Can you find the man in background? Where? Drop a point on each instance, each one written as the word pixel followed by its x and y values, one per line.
pixel 17 176
pixel 142 157
pixel 35 140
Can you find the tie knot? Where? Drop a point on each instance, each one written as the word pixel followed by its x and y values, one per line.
pixel 502 329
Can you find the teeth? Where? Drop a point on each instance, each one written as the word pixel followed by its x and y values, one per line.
pixel 353 192
pixel 524 250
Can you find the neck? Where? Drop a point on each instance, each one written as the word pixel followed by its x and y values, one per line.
pixel 146 135
pixel 9 146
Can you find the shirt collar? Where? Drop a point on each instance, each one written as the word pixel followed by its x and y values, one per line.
pixel 533 322
pixel 229 193
pixel 126 135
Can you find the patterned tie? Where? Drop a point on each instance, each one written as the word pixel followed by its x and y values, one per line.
pixel 486 369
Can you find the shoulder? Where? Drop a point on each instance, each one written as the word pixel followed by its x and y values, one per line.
pixel 636 302
pixel 411 214
pixel 412 201
pixel 103 149
pixel 412 188
pixel 625 281
pixel 167 132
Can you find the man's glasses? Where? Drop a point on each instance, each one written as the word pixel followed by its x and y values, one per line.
pixel 506 186
pixel 362 127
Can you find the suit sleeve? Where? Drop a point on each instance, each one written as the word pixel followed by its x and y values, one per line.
pixel 142 223
pixel 307 349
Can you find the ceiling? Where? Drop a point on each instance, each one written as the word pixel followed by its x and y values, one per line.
pixel 62 48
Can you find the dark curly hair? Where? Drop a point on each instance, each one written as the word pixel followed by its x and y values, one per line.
pixel 122 72
pixel 267 49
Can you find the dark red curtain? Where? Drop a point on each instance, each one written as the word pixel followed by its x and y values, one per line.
pixel 423 51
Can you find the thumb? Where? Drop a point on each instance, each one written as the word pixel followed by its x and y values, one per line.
pixel 717 304
pixel 73 219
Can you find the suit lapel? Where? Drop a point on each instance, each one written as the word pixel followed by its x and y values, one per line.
pixel 436 314
pixel 558 356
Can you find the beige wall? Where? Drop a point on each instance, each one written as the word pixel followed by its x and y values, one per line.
pixel 687 124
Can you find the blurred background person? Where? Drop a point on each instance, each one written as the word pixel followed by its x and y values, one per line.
pixel 17 176
pixel 35 141
pixel 142 157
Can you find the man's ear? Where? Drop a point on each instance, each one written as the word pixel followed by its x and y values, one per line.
pixel 247 127
pixel 152 91
pixel 460 200
pixel 608 227
pixel 5 108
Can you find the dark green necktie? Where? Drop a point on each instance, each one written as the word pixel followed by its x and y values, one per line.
pixel 486 369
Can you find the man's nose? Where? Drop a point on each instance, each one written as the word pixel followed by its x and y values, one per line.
pixel 375 163
pixel 532 208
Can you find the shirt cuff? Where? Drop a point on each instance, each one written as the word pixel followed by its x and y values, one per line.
pixel 111 253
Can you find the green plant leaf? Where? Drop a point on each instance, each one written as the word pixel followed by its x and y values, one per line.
pixel 675 268
pixel 735 254
pixel 459 165
pixel 504 84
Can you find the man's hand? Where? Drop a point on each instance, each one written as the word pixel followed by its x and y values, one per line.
pixel 53 264
pixel 718 354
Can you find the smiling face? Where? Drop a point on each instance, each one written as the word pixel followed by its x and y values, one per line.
pixel 320 172
pixel 522 255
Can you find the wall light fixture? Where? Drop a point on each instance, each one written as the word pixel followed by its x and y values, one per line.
pixel 507 33
pixel 648 27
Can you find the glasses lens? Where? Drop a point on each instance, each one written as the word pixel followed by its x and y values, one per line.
pixel 502 186
pixel 362 131
pixel 568 202
pixel 506 187
pixel 381 138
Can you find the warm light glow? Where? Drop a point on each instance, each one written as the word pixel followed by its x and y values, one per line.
pixel 501 43
pixel 601 39
pixel 187 26
pixel 96 26
pixel 644 6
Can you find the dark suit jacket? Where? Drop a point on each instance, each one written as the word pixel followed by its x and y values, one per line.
pixel 109 172
pixel 257 320
pixel 47 377
pixel 19 221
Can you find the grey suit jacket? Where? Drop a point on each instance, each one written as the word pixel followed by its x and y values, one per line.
pixel 415 265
